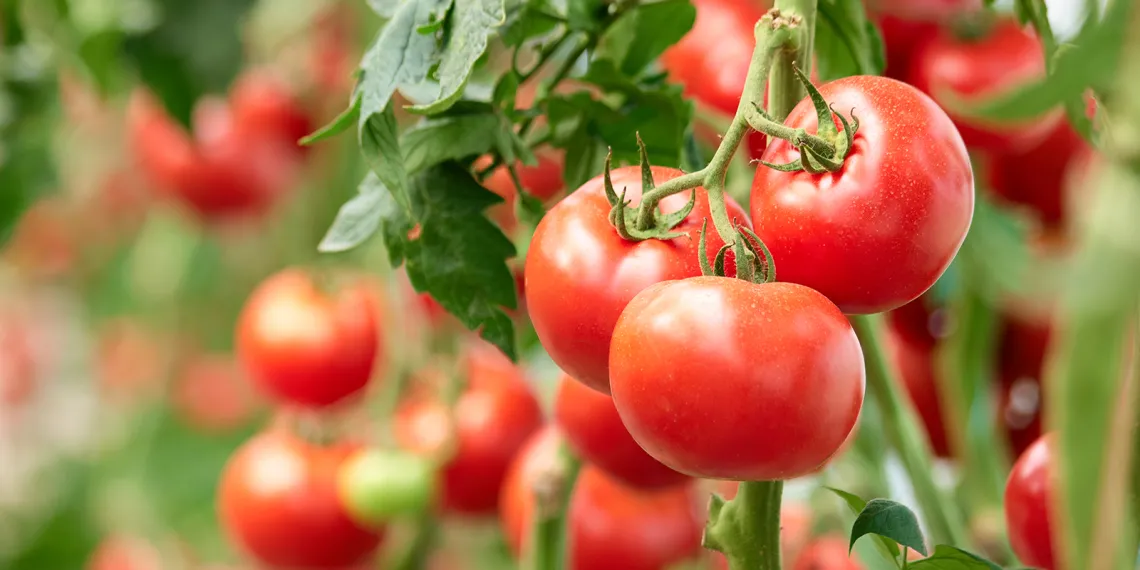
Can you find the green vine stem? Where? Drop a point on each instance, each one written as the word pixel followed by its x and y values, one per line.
pixel 548 534
pixel 905 435
pixel 784 91
pixel 747 529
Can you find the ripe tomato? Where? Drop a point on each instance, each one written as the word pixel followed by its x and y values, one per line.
pixel 916 366
pixel 594 430
pixel 1036 178
pixel 493 417
pixel 827 553
pixel 711 61
pixel 879 232
pixel 264 106
pixel 278 502
pixel 902 38
pixel 543 181
pixel 1022 348
pixel 978 69
pixel 305 346
pixel 580 273
pixel 716 377
pixel 922 321
pixel 1028 499
pixel 610 526
pixel 212 394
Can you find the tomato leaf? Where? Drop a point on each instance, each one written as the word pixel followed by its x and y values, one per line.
pixel 384 8
pixel 449 138
pixel 951 558
pixel 887 547
pixel 358 218
pixel 528 20
pixel 342 122
pixel 381 149
pixel 471 23
pixel 399 56
pixel 585 15
pixel 846 42
pixel 891 520
pixel 638 36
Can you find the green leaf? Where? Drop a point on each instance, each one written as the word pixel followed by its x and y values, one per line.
pixel 584 159
pixel 585 15
pixel 506 92
pixel 472 22
pixel 449 138
pixel 346 119
pixel 527 20
pixel 889 519
pixel 384 8
pixel 358 218
pixel 640 35
pixel 846 42
pixel 951 558
pixel 888 548
pixel 399 56
pixel 381 149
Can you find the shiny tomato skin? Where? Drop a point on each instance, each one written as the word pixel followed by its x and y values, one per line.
pixel 1028 500
pixel 827 553
pixel 978 69
pixel 610 526
pixel 278 502
pixel 494 417
pixel 1036 178
pixel 879 232
pixel 714 376
pixel 306 347
pixel 580 273
pixel 592 426
pixel 916 368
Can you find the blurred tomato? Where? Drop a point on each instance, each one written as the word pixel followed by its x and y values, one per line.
pixel 44 242
pixel 212 394
pixel 121 552
pixel 332 57
pixel 916 367
pixel 493 416
pixel 542 181
pixel 922 321
pixel 278 501
pixel 902 38
pixel 17 361
pixel 610 526
pixel 1029 494
pixel 130 360
pixel 930 10
pixel 1022 348
pixel 827 553
pixel 264 106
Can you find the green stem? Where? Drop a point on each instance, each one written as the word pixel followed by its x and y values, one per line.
pixel 905 435
pixel 784 90
pixel 548 540
pixel 544 56
pixel 747 529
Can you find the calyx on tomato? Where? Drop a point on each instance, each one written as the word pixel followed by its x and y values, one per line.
pixel 661 224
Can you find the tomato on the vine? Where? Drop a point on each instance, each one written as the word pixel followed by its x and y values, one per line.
pixel 610 526
pixel 923 321
pixel 591 424
pixel 879 232
pixel 491 419
pixel 580 273
pixel 1029 495
pixel 278 502
pixel 827 553
pixel 264 106
pixel 726 379
pixel 542 181
pixel 916 368
pixel 306 346
pixel 1022 346
pixel 980 68
pixel 1037 178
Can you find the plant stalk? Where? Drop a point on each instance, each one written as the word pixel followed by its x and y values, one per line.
pixel 548 536
pixel 747 529
pixel 784 90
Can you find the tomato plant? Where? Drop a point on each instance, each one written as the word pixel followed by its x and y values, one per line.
pixel 591 424
pixel 610 525
pixel 278 500
pixel 580 273
pixel 876 234
pixel 1028 499
pixel 307 347
pixel 768 346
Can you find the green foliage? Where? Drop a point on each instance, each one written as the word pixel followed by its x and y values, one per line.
pixel 472 21
pixel 951 558
pixel 641 34
pixel 890 520
pixel 846 41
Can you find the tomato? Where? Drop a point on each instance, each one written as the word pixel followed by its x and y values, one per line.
pixel 493 417
pixel 263 105
pixel 542 181
pixel 610 526
pixel 916 367
pixel 44 242
pixel 726 379
pixel 121 552
pixel 879 232
pixel 305 346
pixel 979 69
pixel 1022 348
pixel 332 59
pixel 130 360
pixel 711 61
pixel 827 553
pixel 212 394
pixel 580 273
pixel 1028 499
pixel 902 38
pixel 930 10
pixel 277 500
pixel 594 430
pixel 378 484
pixel 1036 178
pixel 18 366
pixel 922 321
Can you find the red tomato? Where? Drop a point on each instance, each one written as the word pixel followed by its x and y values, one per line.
pixel 493 417
pixel 543 181
pixel 916 366
pixel 827 553
pixel 1036 177
pixel 610 526
pixel 711 61
pixel 594 430
pixel 332 58
pixel 938 10
pixel 1022 348
pixel 124 553
pixel 725 379
pixel 18 367
pixel 278 502
pixel 879 232
pixel 263 105
pixel 212 394
pixel 1028 500
pixel 902 38
pixel 921 321
pixel 44 241
pixel 309 347
pixel 980 69
pixel 580 273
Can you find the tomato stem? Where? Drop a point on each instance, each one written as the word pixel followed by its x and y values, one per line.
pixel 548 536
pixel 747 528
pixel 905 435
pixel 784 90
